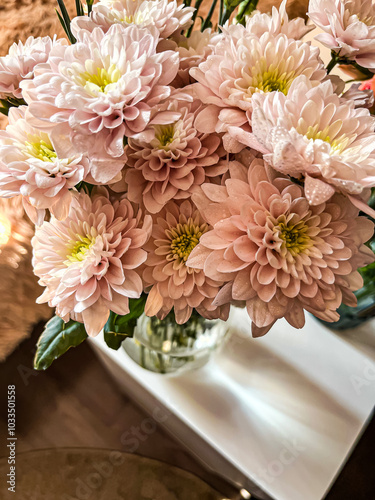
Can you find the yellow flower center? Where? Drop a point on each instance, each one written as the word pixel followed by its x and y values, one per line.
pixel 78 251
pixel 185 237
pixel 97 79
pixel 271 81
pixel 165 134
pixel 294 236
pixel 337 145
pixel 40 150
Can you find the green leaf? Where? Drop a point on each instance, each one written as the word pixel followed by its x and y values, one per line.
pixel 118 328
pixel 65 21
pixel 79 8
pixel 56 339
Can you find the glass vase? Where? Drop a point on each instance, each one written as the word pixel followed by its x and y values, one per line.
pixel 163 346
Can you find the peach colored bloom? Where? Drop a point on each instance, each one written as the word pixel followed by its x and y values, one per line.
pixel 171 284
pixel 315 136
pixel 20 62
pixel 103 93
pixel 349 27
pixel 89 263
pixel 243 65
pixel 170 158
pixel 166 16
pixel 277 252
pixel 42 167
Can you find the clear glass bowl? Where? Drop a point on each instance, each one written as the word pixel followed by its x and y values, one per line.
pixel 163 346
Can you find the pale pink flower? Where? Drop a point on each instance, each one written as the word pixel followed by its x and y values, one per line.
pixel 278 253
pixel 170 158
pixel 349 27
pixel 246 65
pixel 277 22
pixel 89 263
pixel 19 63
pixel 36 165
pixel 176 231
pixel 313 135
pixel 192 52
pixel 166 16
pixel 104 87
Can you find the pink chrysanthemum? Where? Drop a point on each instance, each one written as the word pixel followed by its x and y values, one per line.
pixel 277 252
pixel 349 27
pixel 243 65
pixel 166 16
pixel 89 263
pixel 104 93
pixel 176 231
pixel 19 63
pixel 315 136
pixel 35 164
pixel 171 158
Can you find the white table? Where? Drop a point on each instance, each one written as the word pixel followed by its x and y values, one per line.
pixel 281 412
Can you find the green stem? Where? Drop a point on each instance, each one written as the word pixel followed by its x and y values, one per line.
pixel 221 8
pixel 332 63
pixel 226 15
pixel 207 21
pixel 197 6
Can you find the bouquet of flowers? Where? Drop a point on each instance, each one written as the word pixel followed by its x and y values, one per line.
pixel 174 166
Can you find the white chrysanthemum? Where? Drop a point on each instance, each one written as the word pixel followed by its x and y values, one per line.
pixel 243 66
pixel 349 27
pixel 35 164
pixel 314 135
pixel 20 62
pixel 104 87
pixel 277 22
pixel 167 17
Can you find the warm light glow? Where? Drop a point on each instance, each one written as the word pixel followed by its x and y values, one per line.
pixel 5 230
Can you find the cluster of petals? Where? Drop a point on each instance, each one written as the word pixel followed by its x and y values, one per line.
pixel 89 263
pixel 40 166
pixel 243 65
pixel 171 284
pixel 166 16
pixel 19 63
pixel 277 22
pixel 170 158
pixel 277 252
pixel 191 50
pixel 104 88
pixel 313 135
pixel 349 28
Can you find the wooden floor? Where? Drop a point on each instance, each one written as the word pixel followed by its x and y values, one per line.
pixel 75 403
